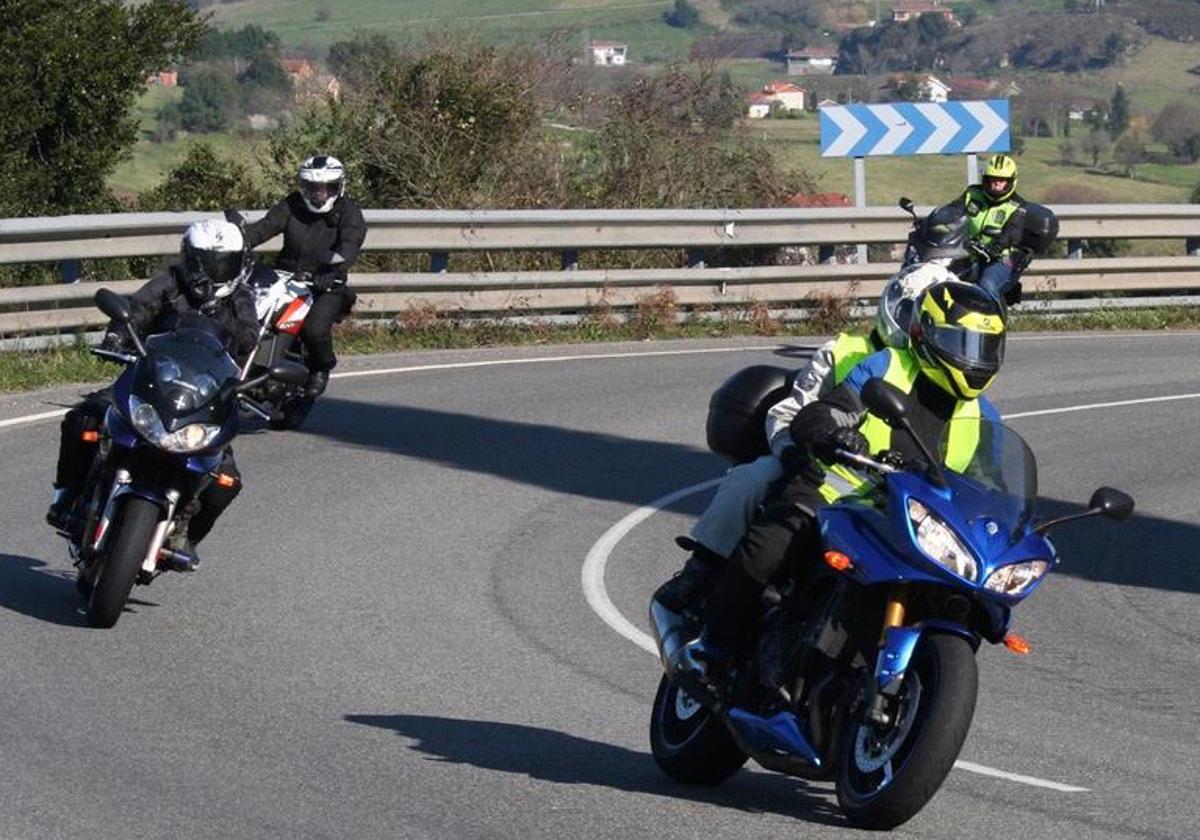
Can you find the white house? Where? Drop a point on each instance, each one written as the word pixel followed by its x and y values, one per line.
pixel 758 105
pixel 931 88
pixel 789 96
pixel 608 53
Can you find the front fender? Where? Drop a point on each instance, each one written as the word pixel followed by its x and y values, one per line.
pixel 899 644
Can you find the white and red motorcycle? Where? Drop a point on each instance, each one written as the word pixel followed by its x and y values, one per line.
pixel 282 301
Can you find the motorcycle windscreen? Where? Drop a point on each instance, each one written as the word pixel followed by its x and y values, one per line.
pixel 183 373
pixel 991 473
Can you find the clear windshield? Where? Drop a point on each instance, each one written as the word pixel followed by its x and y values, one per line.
pixel 187 368
pixel 991 473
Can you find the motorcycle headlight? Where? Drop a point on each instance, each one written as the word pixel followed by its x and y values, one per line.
pixel 191 438
pixel 1016 578
pixel 939 543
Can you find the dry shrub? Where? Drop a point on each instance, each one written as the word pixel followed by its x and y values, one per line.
pixel 418 317
pixel 655 312
pixel 758 315
pixel 830 311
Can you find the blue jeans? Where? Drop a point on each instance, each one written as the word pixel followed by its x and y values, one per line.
pixel 998 278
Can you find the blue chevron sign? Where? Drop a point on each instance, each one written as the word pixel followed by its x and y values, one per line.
pixel 915 128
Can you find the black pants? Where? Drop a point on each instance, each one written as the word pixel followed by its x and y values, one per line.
pixel 75 457
pixel 328 308
pixel 787 527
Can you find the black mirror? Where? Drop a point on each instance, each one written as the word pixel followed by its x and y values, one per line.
pixel 1111 503
pixel 235 217
pixel 289 373
pixel 885 400
pixel 906 204
pixel 113 305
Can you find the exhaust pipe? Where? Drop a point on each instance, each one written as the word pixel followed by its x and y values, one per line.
pixel 671 633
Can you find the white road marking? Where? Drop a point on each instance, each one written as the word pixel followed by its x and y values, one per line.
pixel 32 418
pixel 1017 777
pixel 1090 406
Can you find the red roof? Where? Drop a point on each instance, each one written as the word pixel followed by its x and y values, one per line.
pixel 760 99
pixel 782 87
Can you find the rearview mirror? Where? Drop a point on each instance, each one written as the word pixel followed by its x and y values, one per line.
pixel 906 204
pixel 289 373
pixel 884 400
pixel 113 305
pixel 1111 503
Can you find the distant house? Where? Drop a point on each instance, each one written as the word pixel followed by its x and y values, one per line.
pixel 905 10
pixel 758 105
pixel 812 61
pixel 164 78
pixel 300 69
pixel 827 103
pixel 608 53
pixel 789 96
pixel 930 88
pixel 825 199
pixel 1081 109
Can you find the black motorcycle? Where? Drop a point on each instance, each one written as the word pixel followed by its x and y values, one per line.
pixel 174 410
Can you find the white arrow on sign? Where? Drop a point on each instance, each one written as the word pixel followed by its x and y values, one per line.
pixel 898 129
pixel 992 128
pixel 852 131
pixel 945 128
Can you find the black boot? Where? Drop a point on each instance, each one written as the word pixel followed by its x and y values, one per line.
pixel 317 380
pixel 59 514
pixel 691 583
pixel 729 612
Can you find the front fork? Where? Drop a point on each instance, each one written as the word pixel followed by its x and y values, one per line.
pixel 123 486
pixel 896 646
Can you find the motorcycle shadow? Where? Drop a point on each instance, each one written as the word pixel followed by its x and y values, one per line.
pixel 558 757
pixel 30 587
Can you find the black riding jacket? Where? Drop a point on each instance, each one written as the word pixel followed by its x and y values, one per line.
pixel 159 304
pixel 321 243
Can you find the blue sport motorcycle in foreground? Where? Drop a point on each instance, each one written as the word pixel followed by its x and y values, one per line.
pixel 174 411
pixel 862 668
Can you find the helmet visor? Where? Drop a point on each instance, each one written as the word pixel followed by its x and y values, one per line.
pixel 216 266
pixel 970 351
pixel 319 192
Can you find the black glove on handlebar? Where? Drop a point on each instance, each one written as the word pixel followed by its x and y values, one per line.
pixel 115 342
pixel 324 281
pixel 893 458
pixel 847 438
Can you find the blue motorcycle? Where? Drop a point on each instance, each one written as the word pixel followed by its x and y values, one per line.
pixel 862 669
pixel 174 411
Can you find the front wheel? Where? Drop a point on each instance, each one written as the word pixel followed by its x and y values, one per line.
pixel 886 773
pixel 118 569
pixel 688 742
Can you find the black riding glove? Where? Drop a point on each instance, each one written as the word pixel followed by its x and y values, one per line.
pixel 893 458
pixel 115 342
pixel 847 438
pixel 324 281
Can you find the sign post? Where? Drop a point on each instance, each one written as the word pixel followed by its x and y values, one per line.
pixel 913 128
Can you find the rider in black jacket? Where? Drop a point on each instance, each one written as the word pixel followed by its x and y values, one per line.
pixel 323 231
pixel 207 280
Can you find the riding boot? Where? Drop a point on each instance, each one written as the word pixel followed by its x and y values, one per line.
pixel 691 583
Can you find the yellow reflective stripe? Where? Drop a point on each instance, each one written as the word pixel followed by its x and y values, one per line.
pixel 964 435
pixel 848 351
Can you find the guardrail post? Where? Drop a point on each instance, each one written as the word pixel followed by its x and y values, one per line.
pixel 1074 249
pixel 439 261
pixel 825 254
pixel 69 271
pixel 570 260
pixel 695 258
pixel 1193 246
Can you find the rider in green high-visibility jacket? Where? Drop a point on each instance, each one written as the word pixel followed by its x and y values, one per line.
pixel 996 222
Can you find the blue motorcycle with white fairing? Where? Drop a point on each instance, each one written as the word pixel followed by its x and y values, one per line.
pixel 174 411
pixel 862 667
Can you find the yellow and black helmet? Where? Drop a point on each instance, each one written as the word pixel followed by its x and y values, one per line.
pixel 957 334
pixel 1000 177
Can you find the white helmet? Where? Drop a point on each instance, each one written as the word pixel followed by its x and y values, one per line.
pixel 214 258
pixel 900 295
pixel 322 182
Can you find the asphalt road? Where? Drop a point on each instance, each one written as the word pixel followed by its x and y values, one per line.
pixel 389 636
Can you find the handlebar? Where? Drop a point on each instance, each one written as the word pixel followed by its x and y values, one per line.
pixel 114 356
pixel 864 461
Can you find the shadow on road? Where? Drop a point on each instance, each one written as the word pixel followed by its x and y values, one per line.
pixel 32 588
pixel 567 759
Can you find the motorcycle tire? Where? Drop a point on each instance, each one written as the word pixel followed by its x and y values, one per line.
pixel 688 742
pixel 885 776
pixel 118 569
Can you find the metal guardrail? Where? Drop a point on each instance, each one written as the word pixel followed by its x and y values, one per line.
pixel 43 309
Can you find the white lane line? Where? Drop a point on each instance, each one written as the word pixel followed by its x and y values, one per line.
pixel 32 418
pixel 1090 406
pixel 594 590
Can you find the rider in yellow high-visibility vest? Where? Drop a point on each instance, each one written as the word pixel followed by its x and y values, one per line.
pixel 996 222
pixel 957 347
pixel 719 529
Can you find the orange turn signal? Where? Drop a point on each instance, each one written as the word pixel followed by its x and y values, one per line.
pixel 224 480
pixel 837 561
pixel 90 436
pixel 1017 644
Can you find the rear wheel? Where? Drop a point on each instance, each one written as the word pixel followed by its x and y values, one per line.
pixel 113 579
pixel 292 413
pixel 688 742
pixel 886 773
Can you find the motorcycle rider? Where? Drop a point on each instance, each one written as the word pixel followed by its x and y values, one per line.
pixel 957 338
pixel 745 486
pixel 323 231
pixel 207 280
pixel 996 223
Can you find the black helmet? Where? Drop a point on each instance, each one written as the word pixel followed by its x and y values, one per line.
pixel 957 334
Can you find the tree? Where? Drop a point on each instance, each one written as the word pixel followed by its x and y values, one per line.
pixel 1066 150
pixel 1118 112
pixel 683 16
pixel 1095 144
pixel 203 181
pixel 73 71
pixel 1178 126
pixel 359 60
pixel 210 100
pixel 1129 152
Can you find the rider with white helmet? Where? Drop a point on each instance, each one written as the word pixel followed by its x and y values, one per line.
pixel 719 529
pixel 323 231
